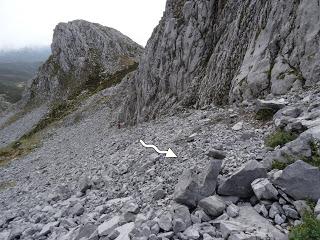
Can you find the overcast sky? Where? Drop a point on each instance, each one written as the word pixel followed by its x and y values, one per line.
pixel 25 23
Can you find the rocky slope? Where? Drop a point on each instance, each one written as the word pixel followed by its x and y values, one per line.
pixel 84 56
pixel 205 52
pixel 92 180
pixel 247 170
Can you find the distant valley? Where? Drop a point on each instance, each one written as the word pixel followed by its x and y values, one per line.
pixel 17 67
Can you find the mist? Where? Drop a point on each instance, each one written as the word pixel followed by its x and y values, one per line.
pixel 31 23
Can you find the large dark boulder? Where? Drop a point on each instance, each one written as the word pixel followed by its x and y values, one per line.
pixel 195 184
pixel 239 183
pixel 300 180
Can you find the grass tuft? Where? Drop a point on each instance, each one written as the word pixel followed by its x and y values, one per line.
pixel 279 138
pixel 19 148
pixel 308 230
pixel 264 114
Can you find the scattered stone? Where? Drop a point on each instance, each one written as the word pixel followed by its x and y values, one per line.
pixel 86 231
pixel 239 183
pixel 202 216
pixel 165 221
pixel 107 227
pixel 124 231
pixel 191 233
pixel 182 212
pixel 290 212
pixel 155 229
pixel 113 235
pixel 233 210
pixel 264 189
pixel 230 199
pixel 275 209
pixel 166 235
pixel 227 227
pixel 301 206
pixel 159 194
pixel 77 210
pixel 216 154
pixel 238 126
pixel 260 208
pixel 278 219
pixel 46 229
pixel 84 184
pixel 131 207
pixel 213 206
pixel 179 225
pixel 300 180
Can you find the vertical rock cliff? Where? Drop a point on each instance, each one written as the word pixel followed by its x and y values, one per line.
pixel 84 56
pixel 205 52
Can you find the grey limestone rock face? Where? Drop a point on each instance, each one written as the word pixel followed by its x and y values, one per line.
pixel 83 55
pixel 205 52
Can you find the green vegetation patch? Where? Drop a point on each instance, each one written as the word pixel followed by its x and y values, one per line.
pixel 19 148
pixel 276 164
pixel 314 160
pixel 308 230
pixel 7 184
pixel 279 138
pixel 315 156
pixel 265 114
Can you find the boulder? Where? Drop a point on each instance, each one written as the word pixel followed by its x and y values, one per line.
pixel 264 189
pixel 239 183
pixel 213 206
pixel 195 185
pixel 300 180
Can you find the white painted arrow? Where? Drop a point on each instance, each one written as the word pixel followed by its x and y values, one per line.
pixel 169 153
